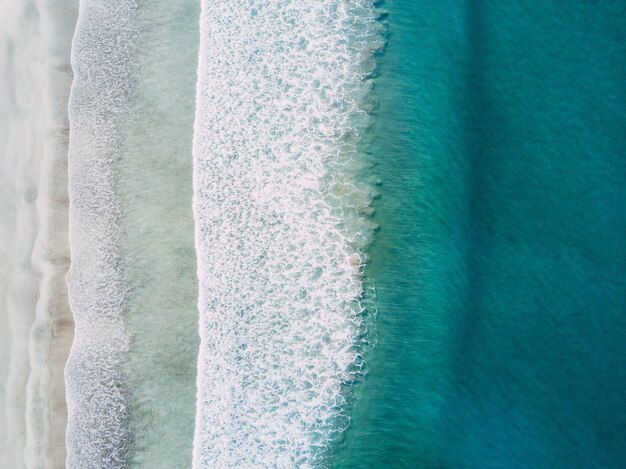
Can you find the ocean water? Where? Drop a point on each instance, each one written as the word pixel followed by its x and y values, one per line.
pixel 499 263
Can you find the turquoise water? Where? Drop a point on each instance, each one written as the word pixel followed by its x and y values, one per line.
pixel 500 259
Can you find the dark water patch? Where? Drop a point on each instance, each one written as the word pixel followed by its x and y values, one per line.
pixel 500 140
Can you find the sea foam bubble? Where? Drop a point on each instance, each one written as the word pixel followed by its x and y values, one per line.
pixel 280 226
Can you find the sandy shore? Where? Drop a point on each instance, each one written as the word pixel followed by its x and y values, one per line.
pixel 36 328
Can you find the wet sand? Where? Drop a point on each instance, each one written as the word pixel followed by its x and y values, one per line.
pixel 36 323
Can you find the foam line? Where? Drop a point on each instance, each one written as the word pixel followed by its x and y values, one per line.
pixel 97 400
pixel 280 232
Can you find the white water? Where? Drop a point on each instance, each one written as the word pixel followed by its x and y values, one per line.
pixel 279 226
pixel 97 435
pixel 36 323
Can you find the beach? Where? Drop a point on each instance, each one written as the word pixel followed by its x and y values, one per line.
pixel 37 327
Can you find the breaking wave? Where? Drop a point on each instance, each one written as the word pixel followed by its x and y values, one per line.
pixel 281 226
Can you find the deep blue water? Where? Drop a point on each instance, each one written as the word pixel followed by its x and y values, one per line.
pixel 500 261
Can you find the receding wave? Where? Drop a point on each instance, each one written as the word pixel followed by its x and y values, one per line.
pixel 280 226
pixel 97 401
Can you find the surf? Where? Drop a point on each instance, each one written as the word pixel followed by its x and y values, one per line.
pixel 281 226
pixel 96 394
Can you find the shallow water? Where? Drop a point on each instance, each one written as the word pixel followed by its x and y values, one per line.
pixel 159 266
pixel 138 323
pixel 97 394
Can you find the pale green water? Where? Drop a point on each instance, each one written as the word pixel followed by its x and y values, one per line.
pixel 159 256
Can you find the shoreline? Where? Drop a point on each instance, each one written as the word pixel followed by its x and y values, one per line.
pixel 51 255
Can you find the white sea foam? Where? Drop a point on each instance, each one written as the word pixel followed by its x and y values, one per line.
pixel 97 402
pixel 36 324
pixel 280 231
